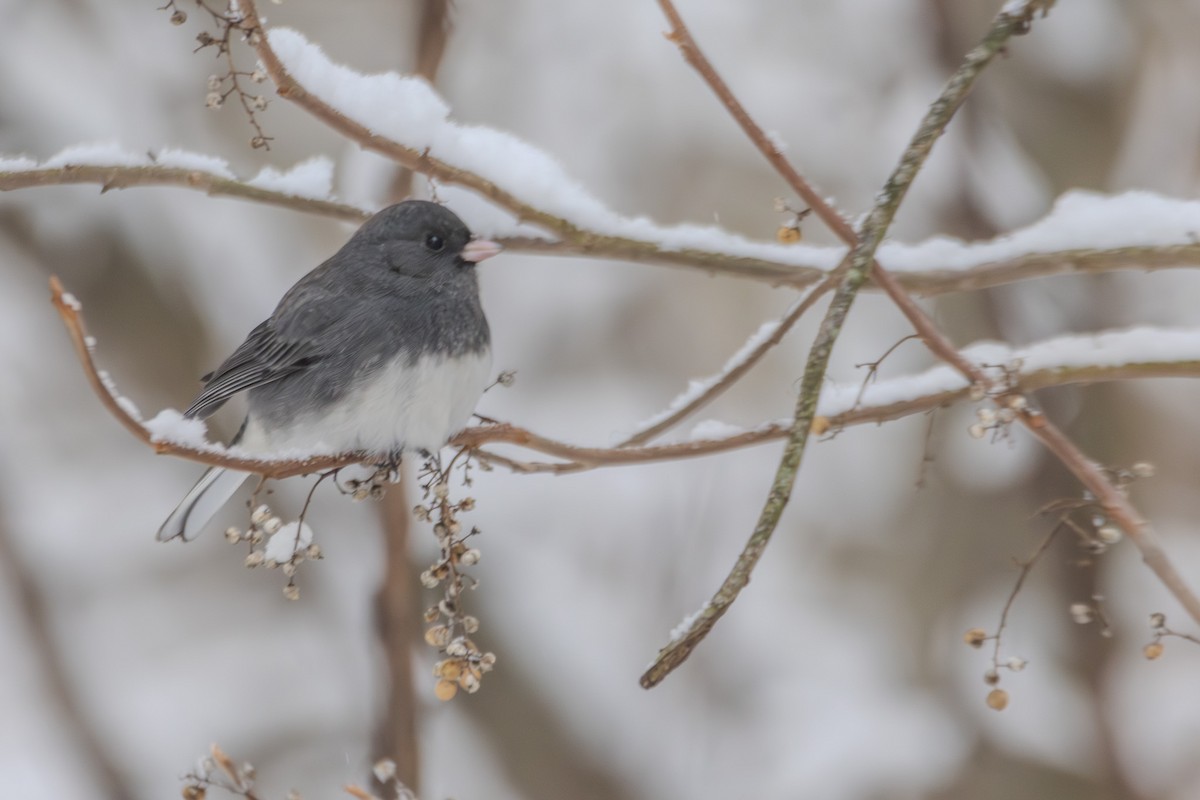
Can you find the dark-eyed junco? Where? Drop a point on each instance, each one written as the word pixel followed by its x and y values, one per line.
pixel 384 348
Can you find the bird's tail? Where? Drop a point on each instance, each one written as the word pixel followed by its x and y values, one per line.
pixel 212 491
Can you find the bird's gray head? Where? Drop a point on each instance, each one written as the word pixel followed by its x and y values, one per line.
pixel 420 239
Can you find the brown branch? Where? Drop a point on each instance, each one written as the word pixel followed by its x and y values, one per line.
pixel 124 177
pixel 1011 20
pixel 858 265
pixel 925 283
pixel 578 458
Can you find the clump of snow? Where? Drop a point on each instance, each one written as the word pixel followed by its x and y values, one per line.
pixel 311 178
pixel 1079 220
pixel 103 154
pixel 714 429
pixel 408 111
pixel 186 159
pixel 172 426
pixel 71 301
pixel 17 164
pixel 128 406
pixel 680 630
pixel 285 543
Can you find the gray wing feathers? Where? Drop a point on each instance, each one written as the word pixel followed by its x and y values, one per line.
pixel 284 344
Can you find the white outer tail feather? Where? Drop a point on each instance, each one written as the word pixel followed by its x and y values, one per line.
pixel 201 504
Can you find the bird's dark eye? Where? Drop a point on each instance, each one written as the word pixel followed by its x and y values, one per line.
pixel 434 242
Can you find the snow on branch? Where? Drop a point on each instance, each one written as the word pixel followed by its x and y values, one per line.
pixel 1083 233
pixel 1119 355
pixel 305 187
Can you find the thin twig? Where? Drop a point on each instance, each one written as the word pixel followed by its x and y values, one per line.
pixel 1026 567
pixel 860 260
pixel 733 370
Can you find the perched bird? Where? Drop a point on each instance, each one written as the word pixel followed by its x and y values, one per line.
pixel 382 349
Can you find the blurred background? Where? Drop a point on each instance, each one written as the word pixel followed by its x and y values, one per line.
pixel 841 672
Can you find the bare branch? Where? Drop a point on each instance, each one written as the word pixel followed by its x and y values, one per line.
pixel 124 177
pixel 1010 21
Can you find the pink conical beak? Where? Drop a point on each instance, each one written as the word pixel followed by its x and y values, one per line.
pixel 479 249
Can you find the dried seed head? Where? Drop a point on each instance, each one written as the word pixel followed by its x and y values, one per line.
pixel 1016 664
pixel 470 557
pixel 421 513
pixel 470 624
pixel 178 18
pixel 457 648
pixel 991 677
pixel 507 378
pixel 788 234
pixel 975 637
pixel 977 392
pixel 448 669
pixel 431 614
pixel 1109 534
pixel 288 568
pixel 1152 650
pixel 997 699
pixel 1158 620
pixel 467 503
pixel 271 524
pixel 445 690
pixel 986 415
pixel 213 100
pixel 291 591
pixel 260 514
pixel 429 580
pixel 438 636
pixel 193 791
pixel 254 559
pixel 977 431
pixel 441 490
pixel 1017 402
pixel 487 661
pixel 233 535
pixel 313 553
pixel 259 75
pixel 469 681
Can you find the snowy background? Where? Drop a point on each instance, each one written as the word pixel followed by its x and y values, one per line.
pixel 840 673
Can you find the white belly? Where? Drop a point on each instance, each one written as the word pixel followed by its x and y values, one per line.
pixel 417 407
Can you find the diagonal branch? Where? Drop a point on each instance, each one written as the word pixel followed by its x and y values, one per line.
pixel 1013 18
pixel 737 366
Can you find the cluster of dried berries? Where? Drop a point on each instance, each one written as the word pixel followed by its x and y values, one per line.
pixel 998 420
pixel 997 698
pixel 220 87
pixel 276 544
pixel 1158 625
pixel 217 770
pixel 450 627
